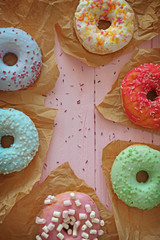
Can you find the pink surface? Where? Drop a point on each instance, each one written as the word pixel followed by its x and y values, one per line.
pixel 80 132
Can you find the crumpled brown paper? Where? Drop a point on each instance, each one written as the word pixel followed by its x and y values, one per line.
pixel 20 222
pixel 132 223
pixel 147 26
pixel 36 18
pixel 111 108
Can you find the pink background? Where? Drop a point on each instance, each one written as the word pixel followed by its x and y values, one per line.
pixel 80 132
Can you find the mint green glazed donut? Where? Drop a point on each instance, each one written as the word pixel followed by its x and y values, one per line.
pixel 26 141
pixel 132 160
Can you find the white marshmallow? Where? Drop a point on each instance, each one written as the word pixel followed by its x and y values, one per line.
pixel 50 226
pixel 95 220
pixel 45 235
pixel 78 203
pixel 92 214
pixel 47 201
pixel 71 212
pixel 60 236
pixel 89 224
pixel 85 235
pixel 100 232
pixel 60 227
pixel 38 237
pixel 84 227
pixel 82 216
pixel 40 220
pixel 53 219
pixel 45 229
pixel 93 231
pixel 69 231
pixel 67 203
pixel 65 225
pixel 72 195
pixel 88 208
pixel 56 214
pixel 101 223
pixel 65 214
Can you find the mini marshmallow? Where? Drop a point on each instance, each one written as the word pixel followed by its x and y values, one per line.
pixel 101 223
pixel 89 224
pixel 69 231
pixel 88 208
pixel 73 219
pixel 74 230
pixel 53 219
pixel 84 227
pixel 100 232
pixel 38 237
pixel 53 198
pixel 82 216
pixel 77 223
pixel 45 235
pixel 78 203
pixel 56 214
pixel 50 226
pixel 60 227
pixel 71 212
pixel 95 220
pixel 93 231
pixel 85 235
pixel 67 203
pixel 95 239
pixel 47 201
pixel 65 214
pixel 40 220
pixel 60 236
pixel 92 214
pixel 45 229
pixel 72 195
pixel 66 220
pixel 65 225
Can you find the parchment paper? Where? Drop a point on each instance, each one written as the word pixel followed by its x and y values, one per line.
pixel 147 26
pixel 111 107
pixel 132 223
pixel 20 222
pixel 36 18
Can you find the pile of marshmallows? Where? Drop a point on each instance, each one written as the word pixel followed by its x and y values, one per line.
pixel 69 220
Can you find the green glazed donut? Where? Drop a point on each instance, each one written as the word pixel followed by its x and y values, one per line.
pixel 130 162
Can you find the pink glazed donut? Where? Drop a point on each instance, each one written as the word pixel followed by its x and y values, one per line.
pixel 68 216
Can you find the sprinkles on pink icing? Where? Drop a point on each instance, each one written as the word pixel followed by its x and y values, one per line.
pixel 27 69
pixel 141 95
pixel 64 219
pixel 99 41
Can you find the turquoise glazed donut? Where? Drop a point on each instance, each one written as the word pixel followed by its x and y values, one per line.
pixel 26 141
pixel 130 162
pixel 29 59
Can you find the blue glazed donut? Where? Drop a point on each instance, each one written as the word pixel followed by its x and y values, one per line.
pixel 27 69
pixel 26 141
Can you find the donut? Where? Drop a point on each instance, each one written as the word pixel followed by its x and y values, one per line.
pixel 69 215
pixel 26 141
pixel 131 162
pixel 140 92
pixel 29 59
pixel 103 41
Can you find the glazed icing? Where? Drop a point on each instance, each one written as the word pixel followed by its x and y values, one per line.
pixel 135 87
pixel 143 195
pixel 119 34
pixel 69 209
pixel 17 124
pixel 27 69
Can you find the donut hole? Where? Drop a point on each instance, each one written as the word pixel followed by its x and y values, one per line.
pixel 142 176
pixel 103 24
pixel 7 141
pixel 151 95
pixel 10 59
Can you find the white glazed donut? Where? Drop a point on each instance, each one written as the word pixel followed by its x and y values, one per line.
pixel 27 69
pixel 99 41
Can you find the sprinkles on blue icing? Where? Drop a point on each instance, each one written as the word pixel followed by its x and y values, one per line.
pixel 27 69
pixel 26 141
